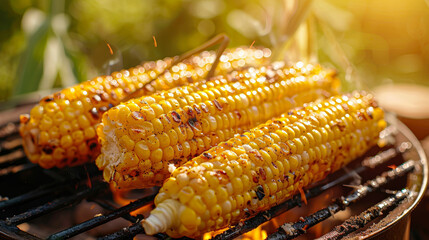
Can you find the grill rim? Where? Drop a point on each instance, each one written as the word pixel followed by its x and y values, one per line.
pixel 404 130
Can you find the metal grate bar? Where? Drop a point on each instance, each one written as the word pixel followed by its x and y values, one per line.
pixel 54 205
pixel 8 129
pixel 356 222
pixel 290 231
pixel 10 146
pixel 13 232
pixel 112 208
pixel 99 220
pixel 41 191
pixel 131 231
pixel 13 162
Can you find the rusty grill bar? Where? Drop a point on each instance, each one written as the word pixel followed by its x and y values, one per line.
pixel 70 186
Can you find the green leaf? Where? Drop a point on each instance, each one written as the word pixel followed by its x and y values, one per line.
pixel 30 69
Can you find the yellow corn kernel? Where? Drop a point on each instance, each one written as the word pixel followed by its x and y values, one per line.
pixel 267 183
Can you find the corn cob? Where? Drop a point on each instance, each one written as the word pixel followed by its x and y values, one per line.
pixel 261 168
pixel 143 138
pixel 61 130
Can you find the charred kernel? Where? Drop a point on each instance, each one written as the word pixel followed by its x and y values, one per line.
pixel 176 117
pixel 218 105
pixel 260 192
pixel 94 113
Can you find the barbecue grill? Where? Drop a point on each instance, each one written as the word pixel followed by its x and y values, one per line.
pixel 373 196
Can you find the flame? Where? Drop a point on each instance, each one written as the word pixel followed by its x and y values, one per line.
pixel 120 197
pixel 257 233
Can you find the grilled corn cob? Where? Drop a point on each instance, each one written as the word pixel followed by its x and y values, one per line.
pixel 61 130
pixel 143 138
pixel 261 168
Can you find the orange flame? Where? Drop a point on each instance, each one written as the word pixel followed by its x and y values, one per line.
pixel 120 197
pixel 257 233
pixel 393 166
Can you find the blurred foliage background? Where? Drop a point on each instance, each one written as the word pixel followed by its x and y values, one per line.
pixel 51 44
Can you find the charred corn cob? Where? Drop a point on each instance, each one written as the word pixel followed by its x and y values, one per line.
pixel 61 130
pixel 143 138
pixel 263 167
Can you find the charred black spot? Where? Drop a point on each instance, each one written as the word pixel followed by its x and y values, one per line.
pixel 48 149
pixel 274 165
pixel 94 113
pixel 48 99
pixel 176 116
pixel 290 113
pixel 110 105
pixel 190 112
pixel 218 105
pixel 92 144
pixel 247 213
pixel 207 155
pixel 260 192
pixel 192 122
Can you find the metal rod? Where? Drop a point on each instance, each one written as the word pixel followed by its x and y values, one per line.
pixel 218 39
pixel 101 219
pixel 356 222
pixel 38 192
pixel 133 230
pixel 109 207
pixel 8 129
pixel 265 216
pixel 13 162
pixel 13 232
pixel 293 230
pixel 11 146
pixel 384 156
pixel 55 204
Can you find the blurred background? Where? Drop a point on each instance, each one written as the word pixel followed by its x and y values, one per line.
pixel 51 44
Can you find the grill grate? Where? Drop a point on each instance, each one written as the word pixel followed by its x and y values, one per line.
pixel 57 189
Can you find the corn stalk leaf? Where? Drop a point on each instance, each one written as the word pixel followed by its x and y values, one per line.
pixel 30 69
